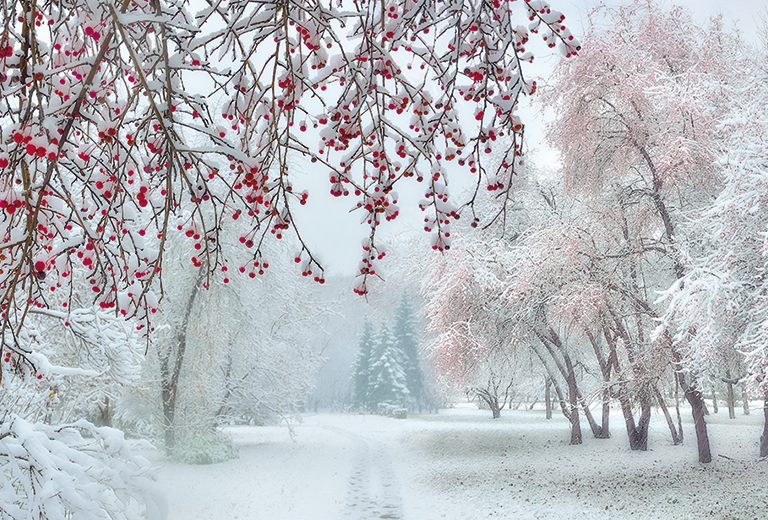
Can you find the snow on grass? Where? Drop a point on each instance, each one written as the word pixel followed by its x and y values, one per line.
pixel 461 464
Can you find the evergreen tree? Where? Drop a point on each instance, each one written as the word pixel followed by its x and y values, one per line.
pixel 405 340
pixel 362 368
pixel 387 380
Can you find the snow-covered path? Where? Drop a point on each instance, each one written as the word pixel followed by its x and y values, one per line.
pixel 461 465
pixel 374 490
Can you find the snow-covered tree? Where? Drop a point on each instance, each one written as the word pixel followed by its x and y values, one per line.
pixel 362 368
pixel 387 379
pixel 122 122
pixel 718 309
pixel 636 129
pixel 226 353
pixel 407 343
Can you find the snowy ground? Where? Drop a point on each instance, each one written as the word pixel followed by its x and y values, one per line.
pixel 461 464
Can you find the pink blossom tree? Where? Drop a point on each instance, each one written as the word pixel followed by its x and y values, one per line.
pixel 636 124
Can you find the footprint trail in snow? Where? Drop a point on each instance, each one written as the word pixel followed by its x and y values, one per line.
pixel 374 490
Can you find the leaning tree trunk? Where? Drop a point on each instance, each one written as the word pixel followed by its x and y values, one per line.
pixel 605 368
pixel 170 372
pixel 575 424
pixel 696 400
pixel 554 345
pixel 677 408
pixel 677 437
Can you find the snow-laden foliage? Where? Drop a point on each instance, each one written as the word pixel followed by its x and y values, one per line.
pixel 640 104
pixel 405 338
pixel 125 122
pixel 387 379
pixel 235 352
pixel 73 471
pixel 718 309
pixel 361 370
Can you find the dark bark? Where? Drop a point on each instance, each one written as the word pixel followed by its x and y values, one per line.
pixel 696 400
pixel 492 401
pixel 640 440
pixel 677 437
pixel 677 408
pixel 553 344
pixel 605 369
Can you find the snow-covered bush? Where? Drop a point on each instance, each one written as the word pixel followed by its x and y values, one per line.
pixel 205 447
pixel 74 470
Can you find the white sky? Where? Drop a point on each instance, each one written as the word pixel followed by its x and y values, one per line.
pixel 335 235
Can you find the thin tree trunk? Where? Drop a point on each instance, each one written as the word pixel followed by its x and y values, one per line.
pixel 548 398
pixel 676 437
pixel 677 408
pixel 744 399
pixel 105 412
pixel 605 369
pixel 170 374
pixel 714 401
pixel 605 432
pixel 551 378
pixel 731 400
pixel 764 436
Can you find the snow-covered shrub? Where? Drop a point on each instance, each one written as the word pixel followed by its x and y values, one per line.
pixel 209 447
pixel 400 413
pixel 75 470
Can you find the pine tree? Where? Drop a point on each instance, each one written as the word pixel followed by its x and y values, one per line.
pixel 405 340
pixel 387 381
pixel 362 368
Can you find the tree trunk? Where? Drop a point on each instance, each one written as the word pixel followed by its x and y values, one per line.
pixel 170 373
pixel 641 439
pixel 764 436
pixel 677 409
pixel 105 412
pixel 575 424
pixel 605 368
pixel 605 432
pixel 731 401
pixel 548 398
pixel 714 401
pixel 744 399
pixel 552 382
pixel 677 438
pixel 696 401
pixel 553 344
pixel 629 418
